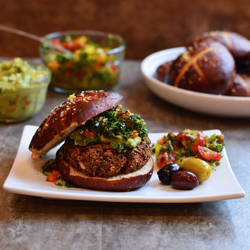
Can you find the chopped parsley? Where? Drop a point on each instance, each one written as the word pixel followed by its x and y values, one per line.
pixel 117 126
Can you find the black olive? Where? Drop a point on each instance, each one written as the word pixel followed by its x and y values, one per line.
pixel 166 172
pixel 184 180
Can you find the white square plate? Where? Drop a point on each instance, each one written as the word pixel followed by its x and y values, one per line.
pixel 26 178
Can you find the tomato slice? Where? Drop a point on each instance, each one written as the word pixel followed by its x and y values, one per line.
pixel 53 176
pixel 165 158
pixel 208 154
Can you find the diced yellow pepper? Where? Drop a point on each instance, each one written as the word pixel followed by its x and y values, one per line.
pixel 53 65
pixel 101 57
pixel 71 97
pixel 89 49
pixel 81 40
pixel 157 150
pixel 76 55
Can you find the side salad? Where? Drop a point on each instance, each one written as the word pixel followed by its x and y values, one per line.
pixel 191 151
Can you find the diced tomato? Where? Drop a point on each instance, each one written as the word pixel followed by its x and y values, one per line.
pixel 192 141
pixel 135 134
pixel 53 176
pixel 165 139
pixel 221 138
pixel 127 113
pixel 88 134
pixel 161 140
pixel 55 42
pixel 113 67
pixel 71 45
pixel 110 84
pixel 99 64
pixel 208 154
pixel 164 158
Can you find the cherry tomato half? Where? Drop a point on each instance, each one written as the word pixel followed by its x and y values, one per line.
pixel 208 154
pixel 165 158
pixel 191 141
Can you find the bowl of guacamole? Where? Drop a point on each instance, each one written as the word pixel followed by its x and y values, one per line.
pixel 23 89
pixel 93 60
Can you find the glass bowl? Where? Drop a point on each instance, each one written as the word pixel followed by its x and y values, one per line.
pixel 93 61
pixel 22 102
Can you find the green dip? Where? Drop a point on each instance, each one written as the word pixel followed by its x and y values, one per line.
pixel 23 89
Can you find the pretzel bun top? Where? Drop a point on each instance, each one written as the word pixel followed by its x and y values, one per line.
pixel 68 116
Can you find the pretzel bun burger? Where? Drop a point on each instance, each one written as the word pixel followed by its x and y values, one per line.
pixel 105 148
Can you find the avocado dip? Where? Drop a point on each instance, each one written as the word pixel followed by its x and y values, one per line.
pixel 23 89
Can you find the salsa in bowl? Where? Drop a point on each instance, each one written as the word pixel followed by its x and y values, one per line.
pixel 93 60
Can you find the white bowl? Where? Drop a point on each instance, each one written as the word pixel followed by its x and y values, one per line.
pixel 203 103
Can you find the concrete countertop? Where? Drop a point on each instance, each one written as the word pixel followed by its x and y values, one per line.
pixel 35 223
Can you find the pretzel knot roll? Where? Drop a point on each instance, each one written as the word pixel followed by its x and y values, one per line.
pixel 206 66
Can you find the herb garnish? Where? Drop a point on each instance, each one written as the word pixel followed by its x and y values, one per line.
pixel 47 169
pixel 117 126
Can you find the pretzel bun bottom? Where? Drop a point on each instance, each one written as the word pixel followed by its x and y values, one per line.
pixel 123 182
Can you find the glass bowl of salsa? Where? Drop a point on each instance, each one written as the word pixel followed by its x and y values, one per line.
pixel 23 89
pixel 93 60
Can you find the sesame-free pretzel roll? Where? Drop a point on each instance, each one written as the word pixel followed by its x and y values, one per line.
pixel 206 66
pixel 68 116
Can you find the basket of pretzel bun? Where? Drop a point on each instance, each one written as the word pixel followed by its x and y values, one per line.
pixel 216 62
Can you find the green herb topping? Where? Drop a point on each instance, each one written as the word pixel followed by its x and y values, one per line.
pixel 117 126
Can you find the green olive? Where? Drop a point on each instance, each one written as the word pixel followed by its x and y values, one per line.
pixel 197 166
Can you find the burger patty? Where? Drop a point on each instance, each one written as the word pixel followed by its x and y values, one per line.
pixel 100 160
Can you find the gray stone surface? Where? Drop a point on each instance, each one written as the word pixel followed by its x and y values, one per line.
pixel 36 223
